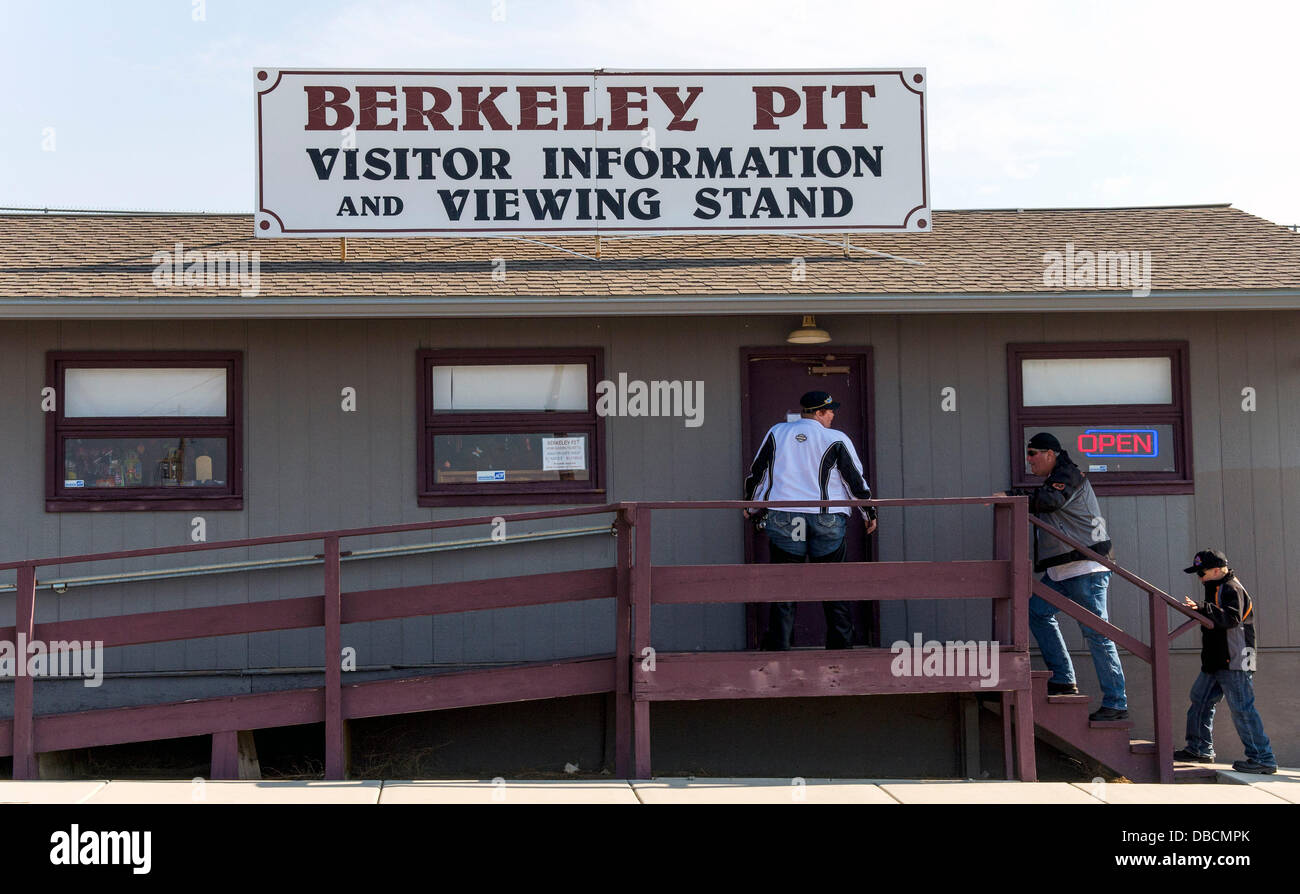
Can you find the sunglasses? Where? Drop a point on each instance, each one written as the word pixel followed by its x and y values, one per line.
pixel 1034 452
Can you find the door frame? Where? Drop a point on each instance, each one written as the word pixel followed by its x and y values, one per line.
pixel 867 438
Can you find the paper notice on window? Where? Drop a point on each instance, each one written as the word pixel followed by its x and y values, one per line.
pixel 563 454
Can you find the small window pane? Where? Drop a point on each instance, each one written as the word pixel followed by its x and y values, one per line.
pixel 145 392
pixel 1079 381
pixel 144 462
pixel 549 386
pixel 510 458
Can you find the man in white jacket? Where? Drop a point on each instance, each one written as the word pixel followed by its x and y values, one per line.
pixel 808 460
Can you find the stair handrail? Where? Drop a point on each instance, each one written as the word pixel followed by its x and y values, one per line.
pixel 1161 638
pixel 1126 574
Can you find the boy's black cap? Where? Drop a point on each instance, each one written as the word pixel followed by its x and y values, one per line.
pixel 818 400
pixel 1045 441
pixel 1207 558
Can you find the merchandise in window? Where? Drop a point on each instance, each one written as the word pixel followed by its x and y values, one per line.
pixel 144 430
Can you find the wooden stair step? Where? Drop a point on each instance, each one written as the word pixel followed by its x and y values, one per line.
pixel 1142 746
pixel 1111 724
pixel 1067 699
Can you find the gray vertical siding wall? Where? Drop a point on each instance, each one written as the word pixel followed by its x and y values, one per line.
pixel 309 466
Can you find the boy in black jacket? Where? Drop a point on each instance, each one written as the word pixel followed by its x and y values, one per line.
pixel 1227 666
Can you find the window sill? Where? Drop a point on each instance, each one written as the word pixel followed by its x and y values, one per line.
pixel 187 504
pixel 514 499
pixel 1143 488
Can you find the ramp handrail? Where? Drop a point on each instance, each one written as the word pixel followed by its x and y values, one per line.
pixel 630 582
pixel 224 620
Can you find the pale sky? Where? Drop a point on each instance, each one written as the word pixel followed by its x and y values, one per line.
pixel 1029 104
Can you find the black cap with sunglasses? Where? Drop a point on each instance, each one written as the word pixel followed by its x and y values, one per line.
pixel 1044 441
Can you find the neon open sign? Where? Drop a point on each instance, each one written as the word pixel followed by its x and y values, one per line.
pixel 1098 443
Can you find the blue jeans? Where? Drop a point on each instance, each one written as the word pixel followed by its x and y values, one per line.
pixel 820 537
pixel 822 534
pixel 1240 692
pixel 1089 591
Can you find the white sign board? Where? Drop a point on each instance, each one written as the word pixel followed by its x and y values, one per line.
pixel 454 153
pixel 562 454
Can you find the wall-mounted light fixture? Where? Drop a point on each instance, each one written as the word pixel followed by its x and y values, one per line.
pixel 808 333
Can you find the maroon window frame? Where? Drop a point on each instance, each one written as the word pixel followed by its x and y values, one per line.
pixel 432 424
pixel 59 428
pixel 1176 414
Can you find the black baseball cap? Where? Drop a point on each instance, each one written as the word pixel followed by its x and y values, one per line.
pixel 1207 558
pixel 818 400
pixel 1045 441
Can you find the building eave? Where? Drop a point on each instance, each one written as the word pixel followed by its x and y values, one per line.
pixel 643 305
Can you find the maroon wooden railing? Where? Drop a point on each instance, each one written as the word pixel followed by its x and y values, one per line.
pixel 27 734
pixel 635 675
pixel 660 676
pixel 1155 653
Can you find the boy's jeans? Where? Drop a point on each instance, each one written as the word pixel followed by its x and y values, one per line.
pixel 1239 689
pixel 1089 590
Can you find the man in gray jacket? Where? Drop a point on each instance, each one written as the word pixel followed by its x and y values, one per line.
pixel 1065 501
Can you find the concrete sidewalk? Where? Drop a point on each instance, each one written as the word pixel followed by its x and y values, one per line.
pixel 1232 788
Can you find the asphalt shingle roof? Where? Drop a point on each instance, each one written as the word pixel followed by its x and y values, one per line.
pixel 1210 247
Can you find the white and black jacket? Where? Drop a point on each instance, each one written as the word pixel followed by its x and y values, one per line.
pixel 804 460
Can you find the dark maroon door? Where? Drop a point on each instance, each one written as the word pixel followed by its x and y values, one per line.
pixel 774 378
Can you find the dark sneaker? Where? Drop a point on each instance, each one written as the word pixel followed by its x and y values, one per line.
pixel 1061 688
pixel 1250 766
pixel 1191 757
pixel 1103 714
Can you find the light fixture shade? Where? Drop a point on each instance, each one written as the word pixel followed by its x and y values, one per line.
pixel 808 333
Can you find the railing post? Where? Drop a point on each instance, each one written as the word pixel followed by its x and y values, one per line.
pixel 334 751
pixel 1020 574
pixel 225 755
pixel 1002 550
pixel 1160 688
pixel 623 646
pixel 641 609
pixel 24 744
pixel 1026 762
pixel 1008 737
pixel 1011 625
